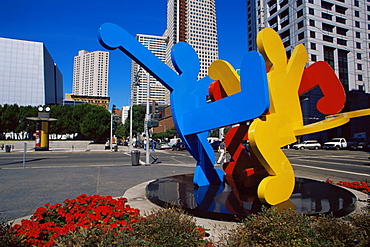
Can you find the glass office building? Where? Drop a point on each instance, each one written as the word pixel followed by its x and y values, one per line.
pixel 28 74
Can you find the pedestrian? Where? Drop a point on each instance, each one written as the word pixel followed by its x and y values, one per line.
pixel 153 145
pixel 222 151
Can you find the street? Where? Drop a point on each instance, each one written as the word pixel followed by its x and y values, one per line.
pixel 336 165
pixel 51 177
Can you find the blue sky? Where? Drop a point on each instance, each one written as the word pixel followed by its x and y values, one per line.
pixel 66 26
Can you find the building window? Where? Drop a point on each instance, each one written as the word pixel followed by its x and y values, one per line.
pixel 312 23
pixel 326 16
pixel 326 5
pixel 358 35
pixel 359 77
pixel 327 38
pixel 342 31
pixel 340 9
pixel 301 36
pixel 358 55
pixel 313 46
pixel 327 27
pixel 300 24
pixel 357 24
pixel 300 13
pixel 311 11
pixel 357 13
pixel 313 58
pixel 340 20
pixel 359 66
pixel 358 45
pixel 299 3
pixel 329 56
pixel 343 68
pixel 361 88
pixel 310 1
pixel 356 3
pixel 312 34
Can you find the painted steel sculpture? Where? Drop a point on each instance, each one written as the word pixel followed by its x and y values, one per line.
pixel 267 101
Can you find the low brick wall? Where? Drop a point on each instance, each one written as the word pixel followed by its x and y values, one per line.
pixel 53 144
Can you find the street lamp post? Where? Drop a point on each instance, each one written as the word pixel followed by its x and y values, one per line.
pixel 111 128
pixel 147 119
pixel 130 143
pixel 136 83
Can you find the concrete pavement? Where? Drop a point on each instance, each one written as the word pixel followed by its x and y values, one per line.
pixel 24 190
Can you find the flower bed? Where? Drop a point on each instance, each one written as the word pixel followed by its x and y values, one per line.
pixel 53 221
pixel 360 186
pixel 104 221
pixel 93 220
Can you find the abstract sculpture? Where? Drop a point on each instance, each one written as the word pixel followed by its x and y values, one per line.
pixel 268 101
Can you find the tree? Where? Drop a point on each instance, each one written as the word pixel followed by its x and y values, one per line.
pixel 120 131
pixel 170 133
pixel 138 117
pixel 28 127
pixel 96 123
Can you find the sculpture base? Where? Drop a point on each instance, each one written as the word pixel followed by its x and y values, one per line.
pixel 41 148
pixel 232 202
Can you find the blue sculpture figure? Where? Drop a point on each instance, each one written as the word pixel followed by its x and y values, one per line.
pixel 193 116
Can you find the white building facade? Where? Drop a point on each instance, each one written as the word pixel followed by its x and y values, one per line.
pixel 194 22
pixel 335 31
pixel 90 73
pixel 28 74
pixel 139 77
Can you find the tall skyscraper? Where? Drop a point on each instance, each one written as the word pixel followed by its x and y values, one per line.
pixel 193 21
pixel 336 32
pixel 28 74
pixel 90 73
pixel 139 79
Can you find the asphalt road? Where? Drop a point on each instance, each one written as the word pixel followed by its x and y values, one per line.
pixel 336 165
pixel 51 177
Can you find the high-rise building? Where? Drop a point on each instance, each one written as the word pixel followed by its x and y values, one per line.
pixel 333 31
pixel 90 73
pixel 337 32
pixel 139 77
pixel 28 74
pixel 193 21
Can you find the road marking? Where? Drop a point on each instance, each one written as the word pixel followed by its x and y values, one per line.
pixel 335 163
pixel 332 170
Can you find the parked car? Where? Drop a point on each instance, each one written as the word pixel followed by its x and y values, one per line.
pixel 309 144
pixel 179 146
pixel 163 145
pixel 335 143
pixel 359 146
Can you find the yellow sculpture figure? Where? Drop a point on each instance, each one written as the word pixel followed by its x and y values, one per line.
pixel 271 132
pixel 284 120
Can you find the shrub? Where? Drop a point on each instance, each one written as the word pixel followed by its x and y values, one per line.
pixel 169 227
pixel 6 238
pixel 273 228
